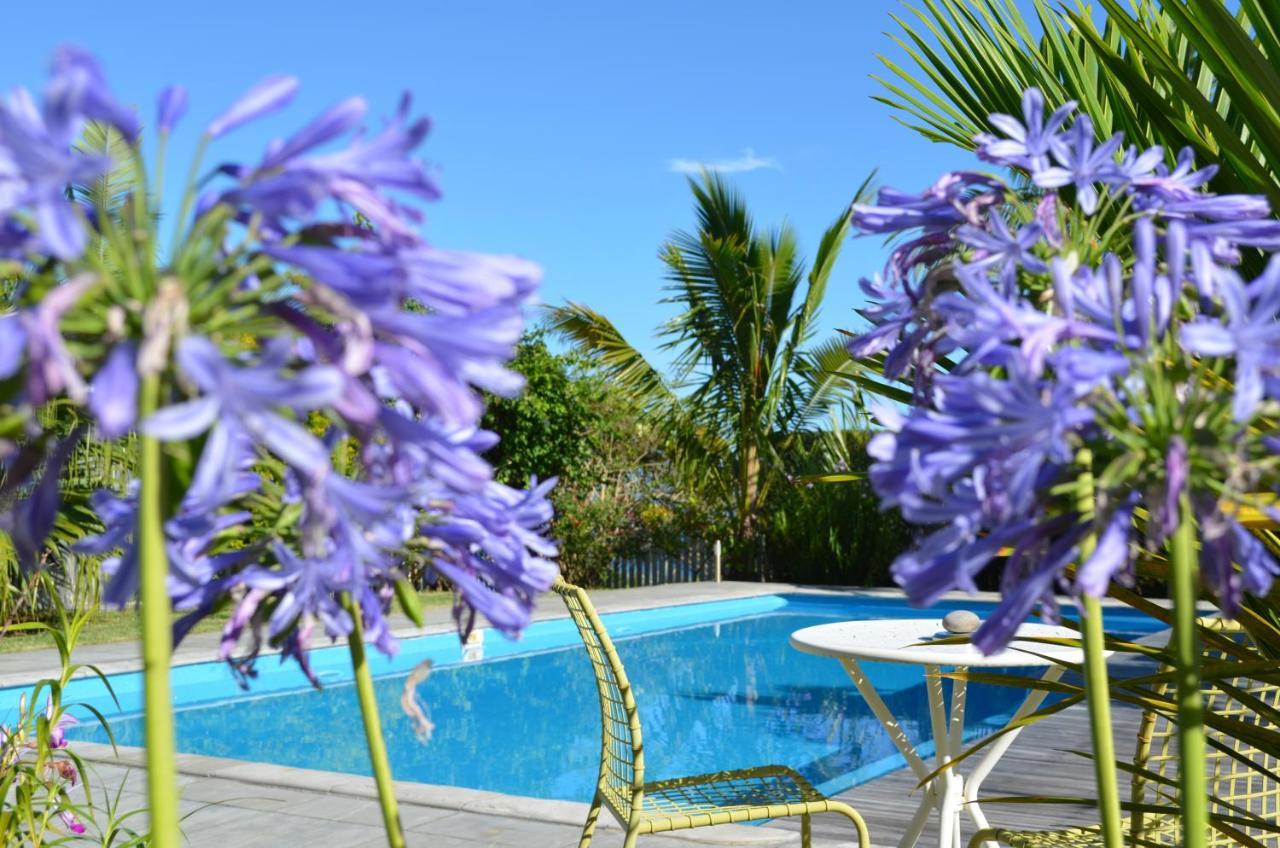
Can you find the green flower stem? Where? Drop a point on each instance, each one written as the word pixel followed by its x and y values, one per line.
pixel 1096 684
pixel 1184 578
pixel 157 635
pixel 373 728
pixel 1098 692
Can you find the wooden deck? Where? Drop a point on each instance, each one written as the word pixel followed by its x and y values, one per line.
pixel 1039 763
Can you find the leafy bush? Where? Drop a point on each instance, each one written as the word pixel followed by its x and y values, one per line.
pixel 833 534
pixel 617 493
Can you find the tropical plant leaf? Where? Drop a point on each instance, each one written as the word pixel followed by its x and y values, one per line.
pixel 1183 73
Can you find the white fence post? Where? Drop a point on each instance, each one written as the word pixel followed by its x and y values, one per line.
pixel 716 552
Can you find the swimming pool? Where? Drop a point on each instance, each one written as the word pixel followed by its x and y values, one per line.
pixel 717 684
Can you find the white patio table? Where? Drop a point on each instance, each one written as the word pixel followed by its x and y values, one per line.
pixel 907 641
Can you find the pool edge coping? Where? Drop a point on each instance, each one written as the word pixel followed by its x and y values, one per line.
pixel 438 796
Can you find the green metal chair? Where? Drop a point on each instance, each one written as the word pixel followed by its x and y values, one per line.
pixel 722 798
pixel 1232 780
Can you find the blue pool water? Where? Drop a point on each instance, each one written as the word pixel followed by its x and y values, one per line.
pixel 717 684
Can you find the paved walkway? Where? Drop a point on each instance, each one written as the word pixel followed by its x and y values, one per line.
pixel 230 804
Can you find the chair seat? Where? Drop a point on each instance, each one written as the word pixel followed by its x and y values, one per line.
pixel 1156 830
pixel 728 796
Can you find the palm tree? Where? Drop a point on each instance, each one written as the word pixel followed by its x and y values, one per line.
pixel 749 396
pixel 1175 73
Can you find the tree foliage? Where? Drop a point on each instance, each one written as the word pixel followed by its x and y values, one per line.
pixel 616 493
pixel 547 431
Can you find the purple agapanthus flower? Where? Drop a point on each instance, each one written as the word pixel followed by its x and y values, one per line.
pixel 1003 249
pixel 79 87
pixel 1083 163
pixel 1160 185
pixel 367 278
pixel 13 344
pixel 170 107
pixel 189 539
pixel 291 186
pixel 333 123
pixel 264 97
pixel 1223 238
pixel 998 434
pixel 1028 141
pixel 1251 335
pixel 983 321
pixel 239 402
pixel 955 199
pixel 1226 545
pixel 1111 555
pixel 895 316
pixel 113 394
pixel 34 516
pixel 1138 168
pixel 323 364
pixel 1069 350
pixel 38 161
pixel 52 369
pixel 435 358
pixel 1028 581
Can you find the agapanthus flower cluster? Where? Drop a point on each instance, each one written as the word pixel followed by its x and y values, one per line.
pixel 312 366
pixel 1085 354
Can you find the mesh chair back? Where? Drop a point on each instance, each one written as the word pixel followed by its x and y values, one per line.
pixel 622 763
pixel 1237 786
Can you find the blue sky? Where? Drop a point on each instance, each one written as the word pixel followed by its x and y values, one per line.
pixel 559 126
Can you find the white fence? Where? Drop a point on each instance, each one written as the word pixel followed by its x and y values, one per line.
pixel 698 562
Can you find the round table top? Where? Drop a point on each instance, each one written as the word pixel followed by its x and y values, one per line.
pixel 900 640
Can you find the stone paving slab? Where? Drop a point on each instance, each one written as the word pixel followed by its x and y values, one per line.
pixel 228 803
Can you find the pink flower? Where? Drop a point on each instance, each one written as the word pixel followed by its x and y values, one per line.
pixel 57 735
pixel 67 771
pixel 73 824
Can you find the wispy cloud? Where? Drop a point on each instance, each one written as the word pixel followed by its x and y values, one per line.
pixel 748 161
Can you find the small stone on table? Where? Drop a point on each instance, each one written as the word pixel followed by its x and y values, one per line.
pixel 960 622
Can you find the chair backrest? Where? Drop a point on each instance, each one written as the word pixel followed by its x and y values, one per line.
pixel 622 756
pixel 1237 786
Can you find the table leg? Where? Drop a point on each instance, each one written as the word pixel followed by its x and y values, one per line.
pixel 916 826
pixel 952 785
pixel 948 792
pixel 882 712
pixel 930 798
pixel 955 738
pixel 998 749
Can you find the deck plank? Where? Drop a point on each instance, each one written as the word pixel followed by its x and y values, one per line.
pixel 1037 764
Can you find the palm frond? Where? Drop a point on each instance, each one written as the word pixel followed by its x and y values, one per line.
pixel 826 373
pixel 602 341
pixel 112 189
pixel 1182 73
